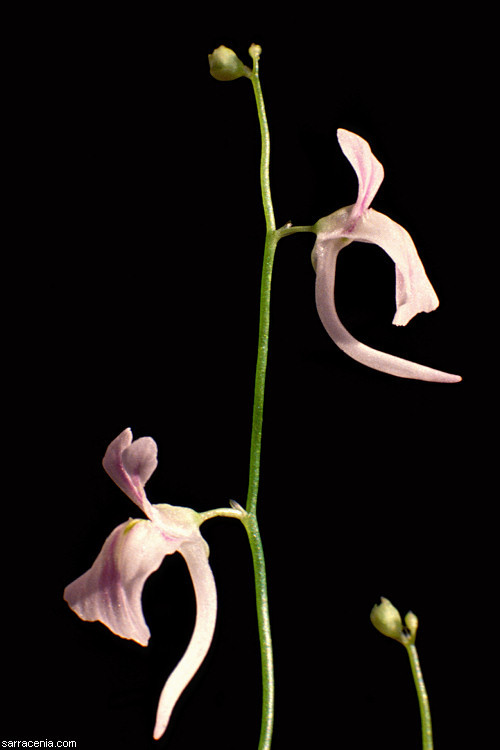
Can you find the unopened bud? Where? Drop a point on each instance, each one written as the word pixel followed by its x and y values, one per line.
pixel 225 65
pixel 255 51
pixel 386 618
pixel 411 622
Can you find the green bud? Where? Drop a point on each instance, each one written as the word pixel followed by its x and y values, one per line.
pixel 255 51
pixel 386 618
pixel 225 65
pixel 411 622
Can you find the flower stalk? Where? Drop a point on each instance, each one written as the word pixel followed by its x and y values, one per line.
pixel 273 236
pixel 386 618
pixel 423 699
pixel 251 524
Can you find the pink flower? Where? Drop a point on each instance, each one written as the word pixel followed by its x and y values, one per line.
pixel 414 292
pixel 110 591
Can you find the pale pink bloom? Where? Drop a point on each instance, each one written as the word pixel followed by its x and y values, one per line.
pixel 111 590
pixel 414 292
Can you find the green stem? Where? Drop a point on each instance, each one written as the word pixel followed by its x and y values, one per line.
pixel 227 512
pixel 423 700
pixel 272 238
pixel 260 373
pixel 250 520
pixel 266 147
pixel 264 626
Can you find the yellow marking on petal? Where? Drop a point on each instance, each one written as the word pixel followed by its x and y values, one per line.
pixel 131 523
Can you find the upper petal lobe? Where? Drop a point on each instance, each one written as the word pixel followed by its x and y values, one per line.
pixel 130 464
pixel 369 170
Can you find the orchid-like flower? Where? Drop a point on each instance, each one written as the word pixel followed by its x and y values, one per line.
pixel 111 590
pixel 414 292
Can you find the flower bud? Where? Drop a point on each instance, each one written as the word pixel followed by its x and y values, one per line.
pixel 411 622
pixel 255 51
pixel 386 618
pixel 225 65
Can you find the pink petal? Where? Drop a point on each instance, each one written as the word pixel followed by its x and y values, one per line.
pixel 110 591
pixel 333 226
pixel 325 254
pixel 196 556
pixel 130 464
pixel 414 292
pixel 175 520
pixel 140 461
pixel 369 170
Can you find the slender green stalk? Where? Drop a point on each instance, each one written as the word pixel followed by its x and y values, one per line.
pixel 386 618
pixel 264 626
pixel 260 373
pixel 250 522
pixel 266 142
pixel 217 512
pixel 265 295
pixel 272 238
pixel 250 519
pixel 423 700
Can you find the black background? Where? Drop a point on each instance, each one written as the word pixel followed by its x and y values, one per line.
pixel 132 287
